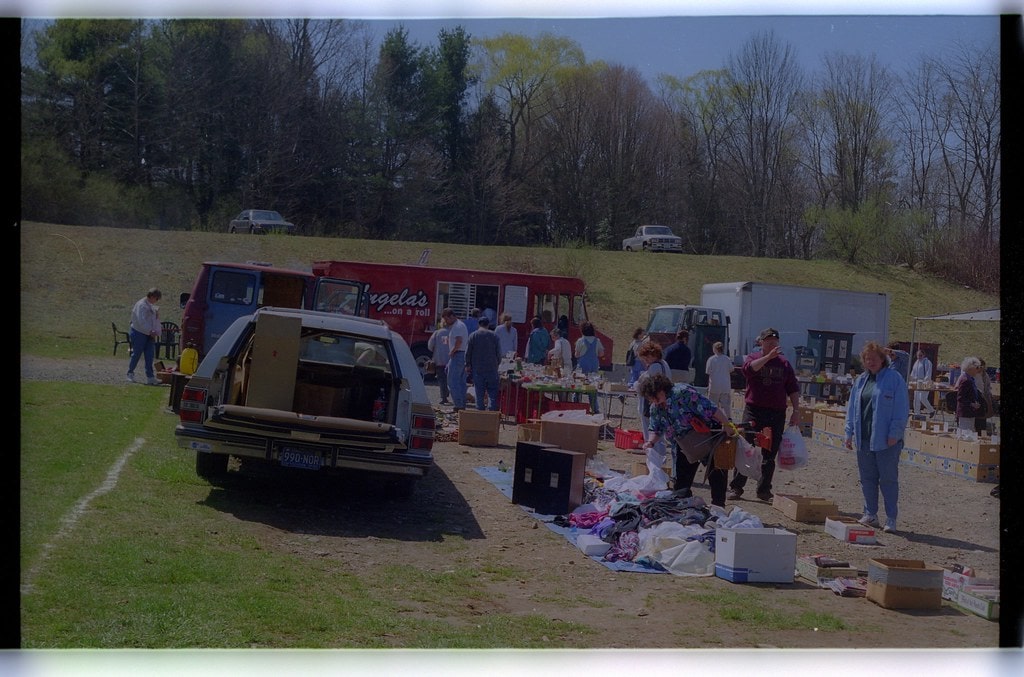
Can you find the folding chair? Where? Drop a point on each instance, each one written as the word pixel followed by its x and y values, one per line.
pixel 121 337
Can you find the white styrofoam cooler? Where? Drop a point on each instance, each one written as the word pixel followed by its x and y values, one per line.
pixel 755 555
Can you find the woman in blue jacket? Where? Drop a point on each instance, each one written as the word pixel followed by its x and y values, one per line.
pixel 876 416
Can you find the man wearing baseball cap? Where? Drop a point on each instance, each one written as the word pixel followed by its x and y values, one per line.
pixel 771 385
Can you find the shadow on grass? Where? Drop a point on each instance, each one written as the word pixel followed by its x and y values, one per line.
pixel 317 503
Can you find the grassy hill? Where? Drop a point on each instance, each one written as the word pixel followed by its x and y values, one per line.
pixel 75 280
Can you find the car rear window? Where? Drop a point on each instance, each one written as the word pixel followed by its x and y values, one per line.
pixel 344 350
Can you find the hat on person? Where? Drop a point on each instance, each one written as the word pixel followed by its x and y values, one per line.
pixel 770 332
pixel 483 322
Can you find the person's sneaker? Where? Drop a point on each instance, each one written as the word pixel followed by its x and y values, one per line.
pixel 152 382
pixel 130 378
pixel 869 521
pixel 445 402
pixel 890 527
pixel 765 495
pixel 734 494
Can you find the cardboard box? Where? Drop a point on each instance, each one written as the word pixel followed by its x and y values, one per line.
pixel 836 426
pixel 953 583
pixel 806 568
pixel 946 445
pixel 849 530
pixel 318 400
pixel 904 584
pixel 479 428
pixel 804 508
pixel 979 453
pixel 591 545
pixel 912 439
pixel 575 436
pixel 819 420
pixel 609 387
pixel 529 432
pixel 982 600
pixel 638 468
pixel 755 555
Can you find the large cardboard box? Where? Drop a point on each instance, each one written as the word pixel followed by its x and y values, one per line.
pixel 548 479
pixel 836 426
pixel 912 439
pixel 479 428
pixel 979 453
pixel 849 530
pixel 572 435
pixel 318 400
pixel 946 446
pixel 755 555
pixel 904 584
pixel 805 508
pixel 819 420
pixel 275 354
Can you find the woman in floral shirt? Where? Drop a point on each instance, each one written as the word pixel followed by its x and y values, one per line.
pixel 674 410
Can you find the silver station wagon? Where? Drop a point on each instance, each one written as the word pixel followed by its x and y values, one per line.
pixel 310 390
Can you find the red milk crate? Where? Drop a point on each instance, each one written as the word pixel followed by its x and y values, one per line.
pixel 628 439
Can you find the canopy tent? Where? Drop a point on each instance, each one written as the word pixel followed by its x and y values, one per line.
pixel 990 315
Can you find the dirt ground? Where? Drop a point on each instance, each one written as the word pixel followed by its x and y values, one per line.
pixel 943 520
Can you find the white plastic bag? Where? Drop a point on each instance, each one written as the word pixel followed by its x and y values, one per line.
pixel 748 459
pixel 793 452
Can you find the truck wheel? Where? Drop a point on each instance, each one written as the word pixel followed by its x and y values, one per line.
pixel 629 249
pixel 232 230
pixel 646 248
pixel 422 356
pixel 211 466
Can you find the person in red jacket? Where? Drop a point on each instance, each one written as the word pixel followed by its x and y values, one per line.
pixel 771 385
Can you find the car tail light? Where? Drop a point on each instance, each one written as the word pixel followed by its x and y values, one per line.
pixel 192 408
pixel 422 436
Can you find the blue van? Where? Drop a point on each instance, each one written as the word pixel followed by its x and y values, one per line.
pixel 223 292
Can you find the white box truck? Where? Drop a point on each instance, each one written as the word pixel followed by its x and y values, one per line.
pixel 749 307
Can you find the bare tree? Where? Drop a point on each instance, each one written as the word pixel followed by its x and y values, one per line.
pixel 765 81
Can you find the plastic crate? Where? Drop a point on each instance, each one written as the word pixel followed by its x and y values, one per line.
pixel 628 439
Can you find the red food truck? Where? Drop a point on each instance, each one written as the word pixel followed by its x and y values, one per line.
pixel 410 299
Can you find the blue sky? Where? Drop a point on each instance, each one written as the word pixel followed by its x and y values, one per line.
pixel 678 37
pixel 683 46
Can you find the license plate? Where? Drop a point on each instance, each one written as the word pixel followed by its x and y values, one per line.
pixel 306 459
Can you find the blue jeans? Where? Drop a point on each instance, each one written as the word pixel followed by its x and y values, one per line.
pixel 879 471
pixel 457 379
pixel 143 345
pixel 486 383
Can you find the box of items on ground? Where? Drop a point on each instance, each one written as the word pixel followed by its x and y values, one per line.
pixel 818 568
pixel 529 431
pixel 904 584
pixel 804 508
pixel 576 431
pixel 547 479
pixel 956 579
pixel 982 600
pixel 978 452
pixel 755 555
pixel 849 530
pixel 479 428
pixel 628 439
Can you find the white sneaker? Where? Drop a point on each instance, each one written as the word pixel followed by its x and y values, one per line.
pixel 152 382
pixel 869 521
pixel 130 378
pixel 890 527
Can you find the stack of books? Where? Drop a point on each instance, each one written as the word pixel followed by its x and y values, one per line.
pixel 848 587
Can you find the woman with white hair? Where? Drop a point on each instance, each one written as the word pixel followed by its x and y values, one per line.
pixel 968 398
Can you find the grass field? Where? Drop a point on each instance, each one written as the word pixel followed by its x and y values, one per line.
pixel 77 280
